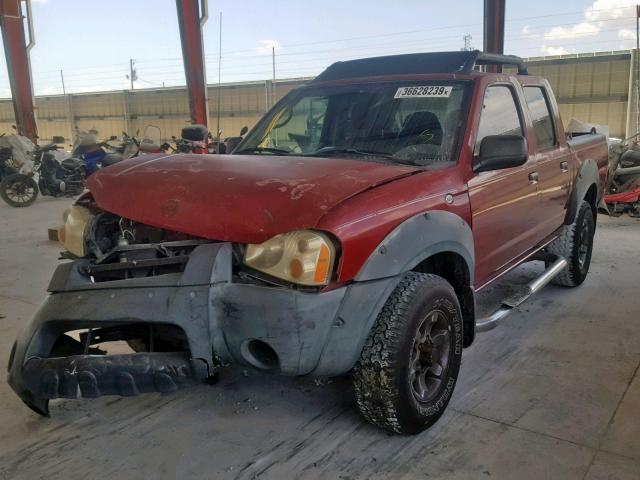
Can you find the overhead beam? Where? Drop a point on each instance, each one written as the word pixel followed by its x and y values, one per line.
pixel 191 16
pixel 16 52
pixel 493 38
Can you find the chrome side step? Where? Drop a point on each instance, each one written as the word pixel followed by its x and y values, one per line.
pixel 490 322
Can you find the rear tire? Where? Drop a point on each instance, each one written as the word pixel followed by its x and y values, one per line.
pixel 575 244
pixel 19 190
pixel 410 362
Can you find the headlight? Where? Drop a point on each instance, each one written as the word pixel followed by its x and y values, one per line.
pixel 71 234
pixel 303 257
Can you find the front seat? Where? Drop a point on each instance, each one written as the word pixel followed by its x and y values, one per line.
pixel 425 125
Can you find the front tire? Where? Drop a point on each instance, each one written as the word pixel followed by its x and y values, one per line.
pixel 19 190
pixel 575 244
pixel 410 362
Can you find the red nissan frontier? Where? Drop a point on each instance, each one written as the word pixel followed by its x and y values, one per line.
pixel 349 232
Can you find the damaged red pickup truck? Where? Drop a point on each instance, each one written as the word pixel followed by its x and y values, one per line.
pixel 349 232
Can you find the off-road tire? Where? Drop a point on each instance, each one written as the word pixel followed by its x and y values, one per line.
pixel 382 377
pixel 28 181
pixel 575 244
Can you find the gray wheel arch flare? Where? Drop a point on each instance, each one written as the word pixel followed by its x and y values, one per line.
pixel 417 239
pixel 411 242
pixel 587 176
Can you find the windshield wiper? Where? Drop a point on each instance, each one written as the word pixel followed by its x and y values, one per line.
pixel 275 151
pixel 355 151
pixel 350 151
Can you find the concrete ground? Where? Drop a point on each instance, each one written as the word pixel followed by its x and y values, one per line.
pixel 554 393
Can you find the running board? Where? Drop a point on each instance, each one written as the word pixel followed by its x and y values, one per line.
pixel 490 322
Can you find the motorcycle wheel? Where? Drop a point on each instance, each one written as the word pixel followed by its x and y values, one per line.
pixel 19 190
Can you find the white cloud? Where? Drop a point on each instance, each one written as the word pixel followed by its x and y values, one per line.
pixel 626 34
pixel 554 50
pixel 583 29
pixel 600 9
pixel 526 31
pixel 265 46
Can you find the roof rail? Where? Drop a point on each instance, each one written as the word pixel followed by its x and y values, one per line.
pixel 485 58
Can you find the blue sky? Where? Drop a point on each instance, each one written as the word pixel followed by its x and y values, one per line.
pixel 92 41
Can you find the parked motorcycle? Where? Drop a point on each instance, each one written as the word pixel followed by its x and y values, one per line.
pixel 133 146
pixel 55 177
pixel 198 139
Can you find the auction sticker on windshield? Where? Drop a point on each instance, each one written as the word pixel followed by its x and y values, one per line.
pixel 423 91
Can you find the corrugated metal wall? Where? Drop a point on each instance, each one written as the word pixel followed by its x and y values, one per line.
pixel 113 112
pixel 592 87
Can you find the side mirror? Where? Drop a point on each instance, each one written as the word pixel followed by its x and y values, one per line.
pixel 244 130
pixel 501 151
pixel 57 139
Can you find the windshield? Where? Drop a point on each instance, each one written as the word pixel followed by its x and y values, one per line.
pixel 406 122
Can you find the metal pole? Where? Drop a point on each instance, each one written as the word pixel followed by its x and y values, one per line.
pixel 131 72
pixel 273 61
pixel 493 41
pixel 64 90
pixel 16 51
pixel 191 16
pixel 637 65
pixel 219 81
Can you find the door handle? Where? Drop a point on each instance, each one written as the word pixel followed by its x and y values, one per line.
pixel 534 177
pixel 564 166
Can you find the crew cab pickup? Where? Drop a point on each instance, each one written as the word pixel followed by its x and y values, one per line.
pixel 350 231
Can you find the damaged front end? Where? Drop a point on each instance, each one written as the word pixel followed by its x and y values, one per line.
pixel 140 309
pixel 128 315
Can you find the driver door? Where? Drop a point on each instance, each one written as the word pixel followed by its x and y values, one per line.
pixel 502 201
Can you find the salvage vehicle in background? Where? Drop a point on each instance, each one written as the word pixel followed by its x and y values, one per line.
pixel 64 175
pixel 350 232
pixel 55 176
pixel 623 185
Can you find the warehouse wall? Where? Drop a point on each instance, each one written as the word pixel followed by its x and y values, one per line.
pixel 592 87
pixel 131 110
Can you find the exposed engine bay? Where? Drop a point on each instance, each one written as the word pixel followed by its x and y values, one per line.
pixel 120 248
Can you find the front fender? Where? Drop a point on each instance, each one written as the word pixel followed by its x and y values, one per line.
pixel 417 239
pixel 413 241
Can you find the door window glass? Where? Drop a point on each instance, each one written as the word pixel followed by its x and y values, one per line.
pixel 541 117
pixel 499 115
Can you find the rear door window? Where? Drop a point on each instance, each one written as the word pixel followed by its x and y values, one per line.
pixel 499 115
pixel 541 117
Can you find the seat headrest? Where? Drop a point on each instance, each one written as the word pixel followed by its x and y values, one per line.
pixel 418 122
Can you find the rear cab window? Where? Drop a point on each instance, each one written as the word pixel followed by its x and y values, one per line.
pixel 541 117
pixel 500 114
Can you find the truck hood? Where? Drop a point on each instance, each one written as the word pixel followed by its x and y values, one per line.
pixel 238 198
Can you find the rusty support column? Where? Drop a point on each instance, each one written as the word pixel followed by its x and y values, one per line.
pixel 493 38
pixel 191 16
pixel 17 54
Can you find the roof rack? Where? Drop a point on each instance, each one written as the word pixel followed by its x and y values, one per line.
pixel 418 63
pixel 485 58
